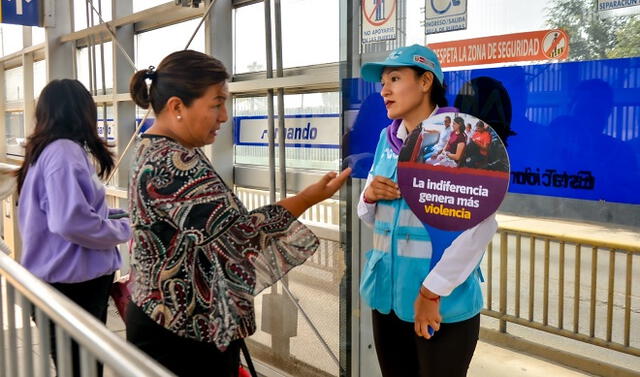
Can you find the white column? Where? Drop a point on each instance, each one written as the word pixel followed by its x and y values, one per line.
pixel 27 83
pixel 124 112
pixel 59 55
pixel 219 44
pixel 3 126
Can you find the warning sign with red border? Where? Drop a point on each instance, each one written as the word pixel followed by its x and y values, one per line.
pixel 531 46
pixel 378 20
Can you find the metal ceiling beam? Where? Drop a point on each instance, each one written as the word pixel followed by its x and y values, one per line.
pixel 15 59
pixel 244 3
pixel 314 78
pixel 296 80
pixel 146 20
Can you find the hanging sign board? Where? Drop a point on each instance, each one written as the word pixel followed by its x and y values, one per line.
pixel 378 20
pixel 530 46
pixel 445 15
pixel 614 8
pixel 21 12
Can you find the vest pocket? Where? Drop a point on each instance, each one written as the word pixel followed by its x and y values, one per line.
pixel 375 279
pixel 413 243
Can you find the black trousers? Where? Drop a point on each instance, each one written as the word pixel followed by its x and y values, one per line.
pixel 402 353
pixel 92 296
pixel 182 356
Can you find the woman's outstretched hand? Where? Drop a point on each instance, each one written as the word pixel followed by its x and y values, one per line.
pixel 316 192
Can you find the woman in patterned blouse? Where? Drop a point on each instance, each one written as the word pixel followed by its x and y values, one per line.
pixel 199 256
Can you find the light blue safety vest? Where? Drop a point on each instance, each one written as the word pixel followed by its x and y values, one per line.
pixel 400 259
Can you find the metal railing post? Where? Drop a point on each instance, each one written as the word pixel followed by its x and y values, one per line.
pixel 503 279
pixel 3 359
pixel 490 275
pixel 63 352
pixel 27 352
pixel 627 300
pixel 70 322
pixel 532 275
pixel 545 289
pixel 612 278
pixel 561 286
pixel 12 359
pixel 518 272
pixel 87 364
pixel 44 348
pixel 594 282
pixel 576 290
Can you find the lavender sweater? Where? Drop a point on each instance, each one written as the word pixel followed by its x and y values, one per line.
pixel 66 235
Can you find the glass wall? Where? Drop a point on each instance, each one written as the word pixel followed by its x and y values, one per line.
pixel 13 85
pixel 84 14
pixel 538 96
pixel 13 92
pixel 140 5
pixel 39 77
pixel 565 110
pixel 14 134
pixel 174 38
pixel 91 75
pixel 310 43
pixel 10 39
pixel 37 35
pixel 249 51
pixel 312 125
pixel 317 45
pixel 314 116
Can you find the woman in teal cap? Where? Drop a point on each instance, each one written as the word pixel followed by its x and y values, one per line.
pixel 425 320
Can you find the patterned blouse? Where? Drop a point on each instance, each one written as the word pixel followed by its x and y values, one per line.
pixel 199 256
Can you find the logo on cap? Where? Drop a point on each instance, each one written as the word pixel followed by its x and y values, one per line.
pixel 395 54
pixel 423 60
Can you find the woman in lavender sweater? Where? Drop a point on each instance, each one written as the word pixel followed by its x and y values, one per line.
pixel 68 239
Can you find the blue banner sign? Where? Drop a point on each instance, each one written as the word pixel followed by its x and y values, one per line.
pixel 610 8
pixel 21 12
pixel 302 131
pixel 577 124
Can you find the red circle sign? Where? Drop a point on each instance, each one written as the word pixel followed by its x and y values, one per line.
pixel 369 16
pixel 555 45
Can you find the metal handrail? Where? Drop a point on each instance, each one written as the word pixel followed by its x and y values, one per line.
pixel 88 332
pixel 558 325
pixel 567 238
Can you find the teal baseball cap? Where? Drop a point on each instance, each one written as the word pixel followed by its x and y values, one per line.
pixel 409 56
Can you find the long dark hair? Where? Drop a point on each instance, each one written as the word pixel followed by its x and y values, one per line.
pixel 184 74
pixel 66 110
pixel 460 122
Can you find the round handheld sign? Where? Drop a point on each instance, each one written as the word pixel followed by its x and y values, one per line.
pixel 453 171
